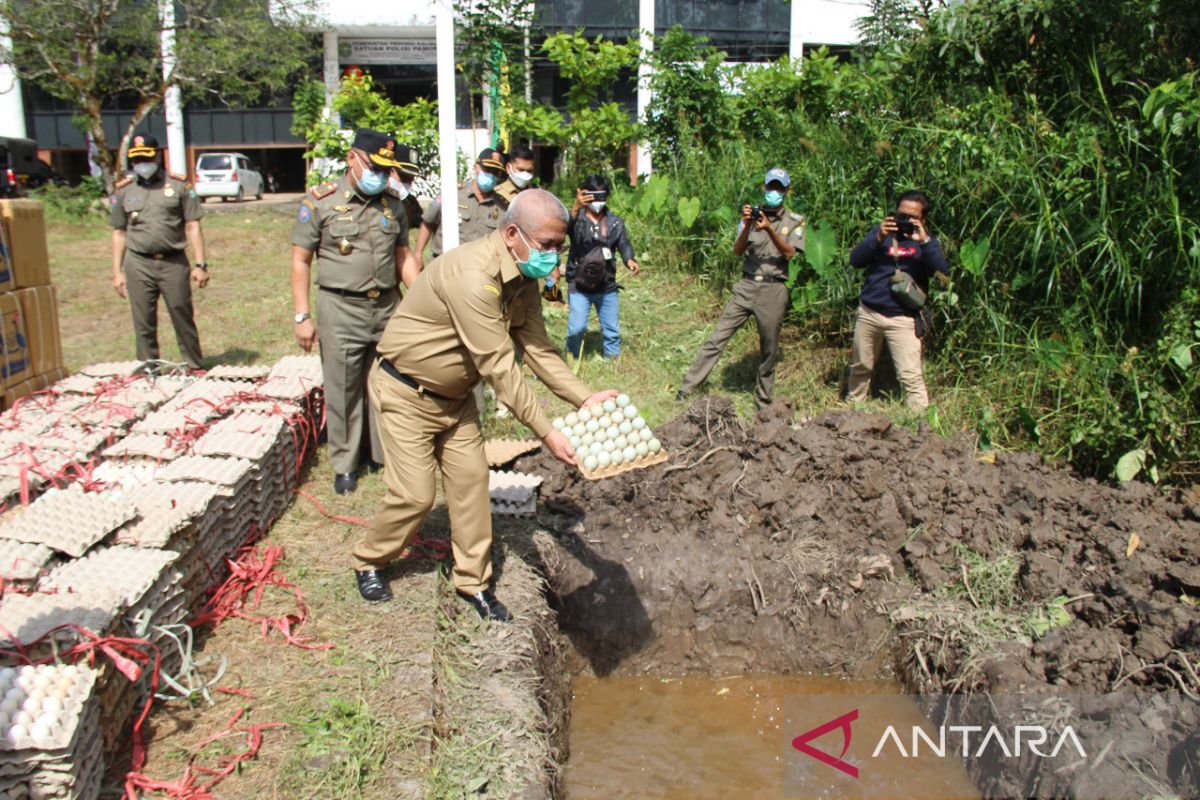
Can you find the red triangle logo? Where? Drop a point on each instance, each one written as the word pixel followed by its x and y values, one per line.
pixel 801 743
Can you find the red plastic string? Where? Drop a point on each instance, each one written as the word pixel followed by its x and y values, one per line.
pixel 434 549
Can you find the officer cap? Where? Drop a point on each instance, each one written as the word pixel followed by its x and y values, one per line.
pixel 491 158
pixel 143 146
pixel 406 160
pixel 380 147
pixel 778 174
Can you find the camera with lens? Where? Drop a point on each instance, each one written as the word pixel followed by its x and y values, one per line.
pixel 905 227
pixel 756 213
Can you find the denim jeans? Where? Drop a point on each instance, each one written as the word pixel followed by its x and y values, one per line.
pixel 606 309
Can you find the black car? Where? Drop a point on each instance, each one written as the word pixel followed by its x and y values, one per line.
pixel 20 167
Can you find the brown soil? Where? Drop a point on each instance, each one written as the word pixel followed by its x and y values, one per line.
pixel 849 545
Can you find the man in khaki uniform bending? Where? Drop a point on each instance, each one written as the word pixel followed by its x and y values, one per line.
pixel 458 323
pixel 358 228
pixel 154 216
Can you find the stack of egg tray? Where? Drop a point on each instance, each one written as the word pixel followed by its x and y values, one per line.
pixel 63 761
pixel 239 372
pixel 294 378
pixel 513 493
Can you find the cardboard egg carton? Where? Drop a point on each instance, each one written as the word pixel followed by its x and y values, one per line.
pixel 37 465
pixel 126 475
pixel 171 418
pixel 499 452
pixel 22 562
pixel 114 369
pixel 230 472
pixel 73 702
pixel 649 460
pixel 307 366
pixel 238 372
pixel 81 383
pixel 38 412
pixel 25 618
pixel 513 493
pixel 126 571
pixel 154 446
pixel 79 443
pixel 68 520
pixel 109 411
pixel 164 509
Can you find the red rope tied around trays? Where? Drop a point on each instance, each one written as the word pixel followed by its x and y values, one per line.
pixel 189 786
pixel 418 547
pixel 130 656
pixel 251 574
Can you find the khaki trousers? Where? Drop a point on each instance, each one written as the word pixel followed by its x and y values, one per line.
pixel 348 329
pixel 871 331
pixel 145 279
pixel 421 434
pixel 768 303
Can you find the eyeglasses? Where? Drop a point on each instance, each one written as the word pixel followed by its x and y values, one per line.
pixel 545 248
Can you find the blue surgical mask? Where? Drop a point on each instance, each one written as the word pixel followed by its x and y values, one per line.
pixel 371 182
pixel 773 198
pixel 486 181
pixel 540 262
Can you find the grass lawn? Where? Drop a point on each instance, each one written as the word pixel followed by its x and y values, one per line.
pixel 357 715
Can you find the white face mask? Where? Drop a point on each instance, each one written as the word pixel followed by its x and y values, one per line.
pixel 399 187
pixel 597 206
pixel 145 169
pixel 521 179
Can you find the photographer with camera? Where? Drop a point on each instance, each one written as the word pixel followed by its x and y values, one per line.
pixel 768 237
pixel 899 257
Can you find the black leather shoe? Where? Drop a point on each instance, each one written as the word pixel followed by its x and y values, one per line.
pixel 345 483
pixel 680 396
pixel 373 467
pixel 487 605
pixel 371 585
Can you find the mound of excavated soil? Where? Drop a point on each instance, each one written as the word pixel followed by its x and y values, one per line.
pixel 847 544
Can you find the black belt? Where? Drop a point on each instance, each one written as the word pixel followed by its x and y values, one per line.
pixel 390 369
pixel 369 294
pixel 765 278
pixel 161 256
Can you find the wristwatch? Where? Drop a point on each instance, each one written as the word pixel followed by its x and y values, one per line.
pixel 301 316
pixel 202 265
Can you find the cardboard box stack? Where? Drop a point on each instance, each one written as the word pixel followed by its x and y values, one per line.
pixel 30 340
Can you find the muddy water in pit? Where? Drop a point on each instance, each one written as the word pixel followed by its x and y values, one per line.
pixel 699 737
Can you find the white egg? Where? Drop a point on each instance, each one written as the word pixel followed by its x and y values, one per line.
pixel 29 670
pixel 8 673
pixel 22 718
pixel 642 449
pixel 605 421
pixel 17 732
pixel 15 693
pixel 630 411
pixel 585 414
pixel 617 457
pixel 596 448
pixel 33 705
pixel 71 671
pixel 622 400
pixel 62 693
pixel 630 454
pixel 590 462
pixel 638 423
pixel 587 438
pixel 610 406
pixel 626 427
pixel 3 719
pixel 613 431
pixel 39 732
pixel 52 705
pixel 655 445
pixel 9 705
pixel 572 420
pixel 618 418
pixel 609 445
pixel 604 459
pixel 645 435
pixel 580 429
pixel 574 440
pixel 24 683
pixel 558 423
pixel 42 681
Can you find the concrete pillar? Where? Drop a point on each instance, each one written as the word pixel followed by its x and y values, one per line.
pixel 796 38
pixel 333 72
pixel 173 102
pixel 447 149
pixel 12 104
pixel 644 95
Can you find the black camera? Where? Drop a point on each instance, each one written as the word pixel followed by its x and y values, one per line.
pixel 756 213
pixel 905 227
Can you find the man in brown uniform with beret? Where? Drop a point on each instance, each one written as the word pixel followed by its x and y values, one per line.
pixel 460 322
pixel 358 228
pixel 479 206
pixel 154 216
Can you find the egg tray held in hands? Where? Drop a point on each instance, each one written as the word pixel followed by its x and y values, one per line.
pixel 596 474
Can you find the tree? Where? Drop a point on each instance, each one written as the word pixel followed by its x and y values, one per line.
pixel 490 39
pixel 105 54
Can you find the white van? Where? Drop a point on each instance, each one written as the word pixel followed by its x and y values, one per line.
pixel 228 176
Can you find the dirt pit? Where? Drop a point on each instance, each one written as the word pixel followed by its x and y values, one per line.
pixel 848 546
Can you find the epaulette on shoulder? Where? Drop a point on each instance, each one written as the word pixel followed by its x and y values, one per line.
pixel 178 177
pixel 121 184
pixel 323 190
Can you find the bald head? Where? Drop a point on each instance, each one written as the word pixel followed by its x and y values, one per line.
pixel 540 216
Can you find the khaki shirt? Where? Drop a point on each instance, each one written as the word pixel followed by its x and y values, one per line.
pixel 476 218
pixel 153 214
pixel 334 217
pixel 508 190
pixel 762 257
pixel 459 323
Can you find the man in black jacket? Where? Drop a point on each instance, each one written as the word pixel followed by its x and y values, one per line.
pixel 600 234
pixel 899 243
